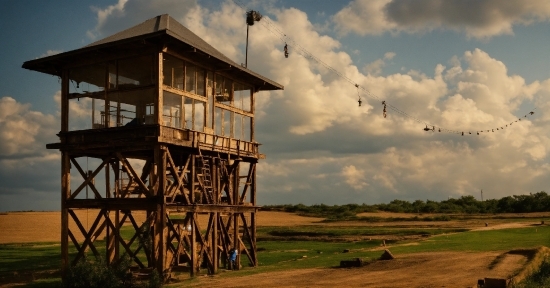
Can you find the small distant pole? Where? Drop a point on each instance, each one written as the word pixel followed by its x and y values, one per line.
pixel 481 195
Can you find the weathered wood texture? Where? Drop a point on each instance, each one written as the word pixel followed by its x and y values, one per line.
pixel 173 181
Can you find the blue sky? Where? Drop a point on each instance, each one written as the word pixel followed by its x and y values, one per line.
pixel 458 65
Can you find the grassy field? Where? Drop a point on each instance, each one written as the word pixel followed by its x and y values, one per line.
pixel 316 245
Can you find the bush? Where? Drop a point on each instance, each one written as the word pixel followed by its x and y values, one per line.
pixel 540 278
pixel 98 274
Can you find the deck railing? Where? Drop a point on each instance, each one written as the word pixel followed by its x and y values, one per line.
pixel 225 144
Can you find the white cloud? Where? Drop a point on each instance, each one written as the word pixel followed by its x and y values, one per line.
pixel 21 128
pixel 354 177
pixel 375 68
pixel 322 148
pixel 125 13
pixel 477 19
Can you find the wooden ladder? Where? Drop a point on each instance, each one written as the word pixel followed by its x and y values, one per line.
pixel 205 178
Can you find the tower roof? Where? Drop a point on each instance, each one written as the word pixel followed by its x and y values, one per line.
pixel 160 30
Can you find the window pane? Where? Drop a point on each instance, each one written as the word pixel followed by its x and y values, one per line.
pixel 238 126
pixel 223 90
pixel 227 123
pixel 190 81
pixel 247 130
pixel 237 96
pixel 172 110
pixel 87 79
pixel 200 82
pixel 131 107
pixel 188 113
pixel 112 75
pixel 123 110
pixel 172 71
pixel 135 72
pixel 209 90
pixel 199 115
pixel 242 97
pixel 218 121
pixel 246 95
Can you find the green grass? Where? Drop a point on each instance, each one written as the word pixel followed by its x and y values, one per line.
pixel 288 254
pixel 26 260
pixel 28 256
pixel 490 240
pixel 324 231
pixel 30 261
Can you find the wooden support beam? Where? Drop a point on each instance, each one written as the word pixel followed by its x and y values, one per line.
pixel 88 178
pixel 65 194
pixel 159 225
pixel 88 241
pixel 211 208
pixel 214 242
pixel 193 247
pixel 135 176
pixel 139 204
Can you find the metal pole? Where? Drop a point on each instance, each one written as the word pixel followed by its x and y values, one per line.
pixel 246 53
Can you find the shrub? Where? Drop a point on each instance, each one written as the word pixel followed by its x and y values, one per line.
pixel 98 274
pixel 541 278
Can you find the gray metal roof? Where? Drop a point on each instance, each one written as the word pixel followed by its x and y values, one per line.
pixel 154 28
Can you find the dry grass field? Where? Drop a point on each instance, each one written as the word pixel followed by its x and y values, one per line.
pixel 427 269
pixel 26 227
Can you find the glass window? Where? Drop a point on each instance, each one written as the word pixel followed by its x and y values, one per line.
pixel 188 113
pixel 190 78
pixel 172 71
pixel 246 98
pixel 227 117
pixel 247 132
pixel 129 108
pixel 238 126
pixel 199 115
pixel 172 113
pixel 242 97
pixel 200 82
pixel 218 121
pixel 209 90
pixel 87 79
pixel 112 75
pixel 224 90
pixel 135 72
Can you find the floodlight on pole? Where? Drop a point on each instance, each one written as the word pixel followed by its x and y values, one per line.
pixel 251 17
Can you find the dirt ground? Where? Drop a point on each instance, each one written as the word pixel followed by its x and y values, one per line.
pixel 426 270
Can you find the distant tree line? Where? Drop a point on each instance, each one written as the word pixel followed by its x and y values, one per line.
pixel 537 202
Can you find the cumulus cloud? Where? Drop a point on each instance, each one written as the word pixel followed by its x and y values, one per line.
pixel 22 130
pixel 317 116
pixel 375 68
pixel 27 169
pixel 322 148
pixel 477 19
pixel 354 177
pixel 124 14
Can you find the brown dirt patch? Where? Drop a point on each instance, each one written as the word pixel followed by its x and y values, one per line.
pixel 441 269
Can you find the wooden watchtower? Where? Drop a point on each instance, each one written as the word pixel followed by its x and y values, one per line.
pixel 168 123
